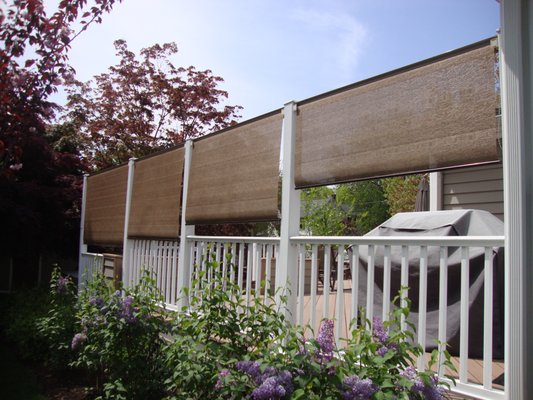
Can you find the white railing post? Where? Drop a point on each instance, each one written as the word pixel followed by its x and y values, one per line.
pixel 83 246
pixel 184 257
pixel 517 131
pixel 126 267
pixel 286 267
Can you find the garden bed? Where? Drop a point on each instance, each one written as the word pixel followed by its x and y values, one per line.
pixel 222 348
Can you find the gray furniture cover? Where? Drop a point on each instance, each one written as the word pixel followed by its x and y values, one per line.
pixel 442 223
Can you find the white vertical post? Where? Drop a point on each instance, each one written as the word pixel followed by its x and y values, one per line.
pixel 83 246
pixel 355 286
pixel 488 302
pixel 369 312
pixel 126 267
pixel 465 311
pixel 443 306
pixel 184 258
pixel 326 280
pixel 339 309
pixel 314 283
pixel 435 191
pixel 422 304
pixel 301 283
pixel 405 284
pixel 286 266
pixel 517 134
pixel 386 284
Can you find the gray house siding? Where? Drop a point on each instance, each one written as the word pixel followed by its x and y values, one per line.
pixel 474 187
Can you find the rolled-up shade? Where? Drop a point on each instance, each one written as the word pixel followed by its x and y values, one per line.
pixel 105 207
pixel 432 115
pixel 234 174
pixel 156 196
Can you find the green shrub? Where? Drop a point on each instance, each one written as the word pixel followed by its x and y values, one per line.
pixel 59 324
pixel 374 364
pixel 217 330
pixel 221 347
pixel 120 339
pixel 23 310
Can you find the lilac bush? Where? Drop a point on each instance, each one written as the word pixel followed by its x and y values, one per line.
pixel 376 363
pixel 120 339
pixel 58 326
pixel 222 348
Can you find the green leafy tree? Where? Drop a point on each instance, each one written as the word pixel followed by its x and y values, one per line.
pixel 321 215
pixel 400 192
pixel 39 179
pixel 352 209
pixel 366 205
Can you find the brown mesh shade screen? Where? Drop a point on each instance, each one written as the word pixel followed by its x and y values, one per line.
pixel 156 196
pixel 429 116
pixel 234 174
pixel 105 207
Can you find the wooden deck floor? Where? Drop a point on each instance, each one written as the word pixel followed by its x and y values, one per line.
pixel 475 366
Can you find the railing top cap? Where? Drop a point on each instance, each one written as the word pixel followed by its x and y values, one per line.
pixel 367 240
pixel 404 240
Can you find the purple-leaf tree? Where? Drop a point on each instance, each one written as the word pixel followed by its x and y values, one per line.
pixel 40 167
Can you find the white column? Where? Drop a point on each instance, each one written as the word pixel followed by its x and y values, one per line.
pixel 516 92
pixel 184 261
pixel 83 246
pixel 286 268
pixel 435 191
pixel 126 267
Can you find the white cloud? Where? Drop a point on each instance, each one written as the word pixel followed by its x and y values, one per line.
pixel 346 36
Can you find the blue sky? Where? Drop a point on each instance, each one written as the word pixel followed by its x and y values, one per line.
pixel 273 51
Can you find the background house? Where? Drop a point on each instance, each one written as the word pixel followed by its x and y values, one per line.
pixel 479 187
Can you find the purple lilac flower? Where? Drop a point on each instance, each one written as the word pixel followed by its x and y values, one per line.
pixel 98 302
pixel 251 368
pixel 274 387
pixel 326 340
pixel 302 350
pixel 356 388
pixel 220 382
pixel 418 385
pixel 269 389
pixel 430 391
pixel 433 391
pixel 382 351
pixel 127 310
pixel 61 286
pixel 78 340
pixel 285 379
pixel 378 331
pixel 411 374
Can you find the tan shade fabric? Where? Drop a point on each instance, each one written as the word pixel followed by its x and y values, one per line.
pixel 105 207
pixel 433 115
pixel 156 196
pixel 234 174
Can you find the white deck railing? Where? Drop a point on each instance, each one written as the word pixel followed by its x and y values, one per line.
pixel 159 257
pixel 328 288
pixel 245 261
pixel 351 248
pixel 89 263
